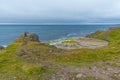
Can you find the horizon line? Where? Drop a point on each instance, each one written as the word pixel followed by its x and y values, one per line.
pixel 59 23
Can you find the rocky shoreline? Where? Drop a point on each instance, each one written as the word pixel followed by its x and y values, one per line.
pixel 78 42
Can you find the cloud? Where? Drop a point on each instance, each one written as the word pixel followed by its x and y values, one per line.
pixel 58 11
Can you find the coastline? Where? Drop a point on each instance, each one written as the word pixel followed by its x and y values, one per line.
pixel 46 32
pixel 78 43
pixel 35 57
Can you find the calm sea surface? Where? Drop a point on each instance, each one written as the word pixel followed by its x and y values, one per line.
pixel 8 33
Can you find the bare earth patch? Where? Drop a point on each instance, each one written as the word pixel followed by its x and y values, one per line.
pixel 77 43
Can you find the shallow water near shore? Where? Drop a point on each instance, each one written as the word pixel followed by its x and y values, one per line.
pixel 8 33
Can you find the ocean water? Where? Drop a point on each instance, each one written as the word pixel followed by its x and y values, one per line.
pixel 8 33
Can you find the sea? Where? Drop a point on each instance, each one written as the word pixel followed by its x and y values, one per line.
pixel 8 33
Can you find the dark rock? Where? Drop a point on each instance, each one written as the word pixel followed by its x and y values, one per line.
pixel 32 37
pixel 1 47
pixel 28 37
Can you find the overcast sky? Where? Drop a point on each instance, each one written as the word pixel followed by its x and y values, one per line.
pixel 59 11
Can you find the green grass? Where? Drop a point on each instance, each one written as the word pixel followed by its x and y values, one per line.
pixel 110 35
pixel 66 41
pixel 37 61
pixel 69 42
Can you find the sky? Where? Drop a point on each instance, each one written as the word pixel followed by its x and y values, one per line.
pixel 60 11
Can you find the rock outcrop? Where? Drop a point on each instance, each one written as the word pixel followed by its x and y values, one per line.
pixel 1 47
pixel 32 37
pixel 26 37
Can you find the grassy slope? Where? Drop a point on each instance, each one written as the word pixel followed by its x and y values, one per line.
pixel 37 61
pixel 86 56
pixel 26 62
pixel 111 34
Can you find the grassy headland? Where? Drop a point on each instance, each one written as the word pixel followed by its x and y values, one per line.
pixel 38 61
